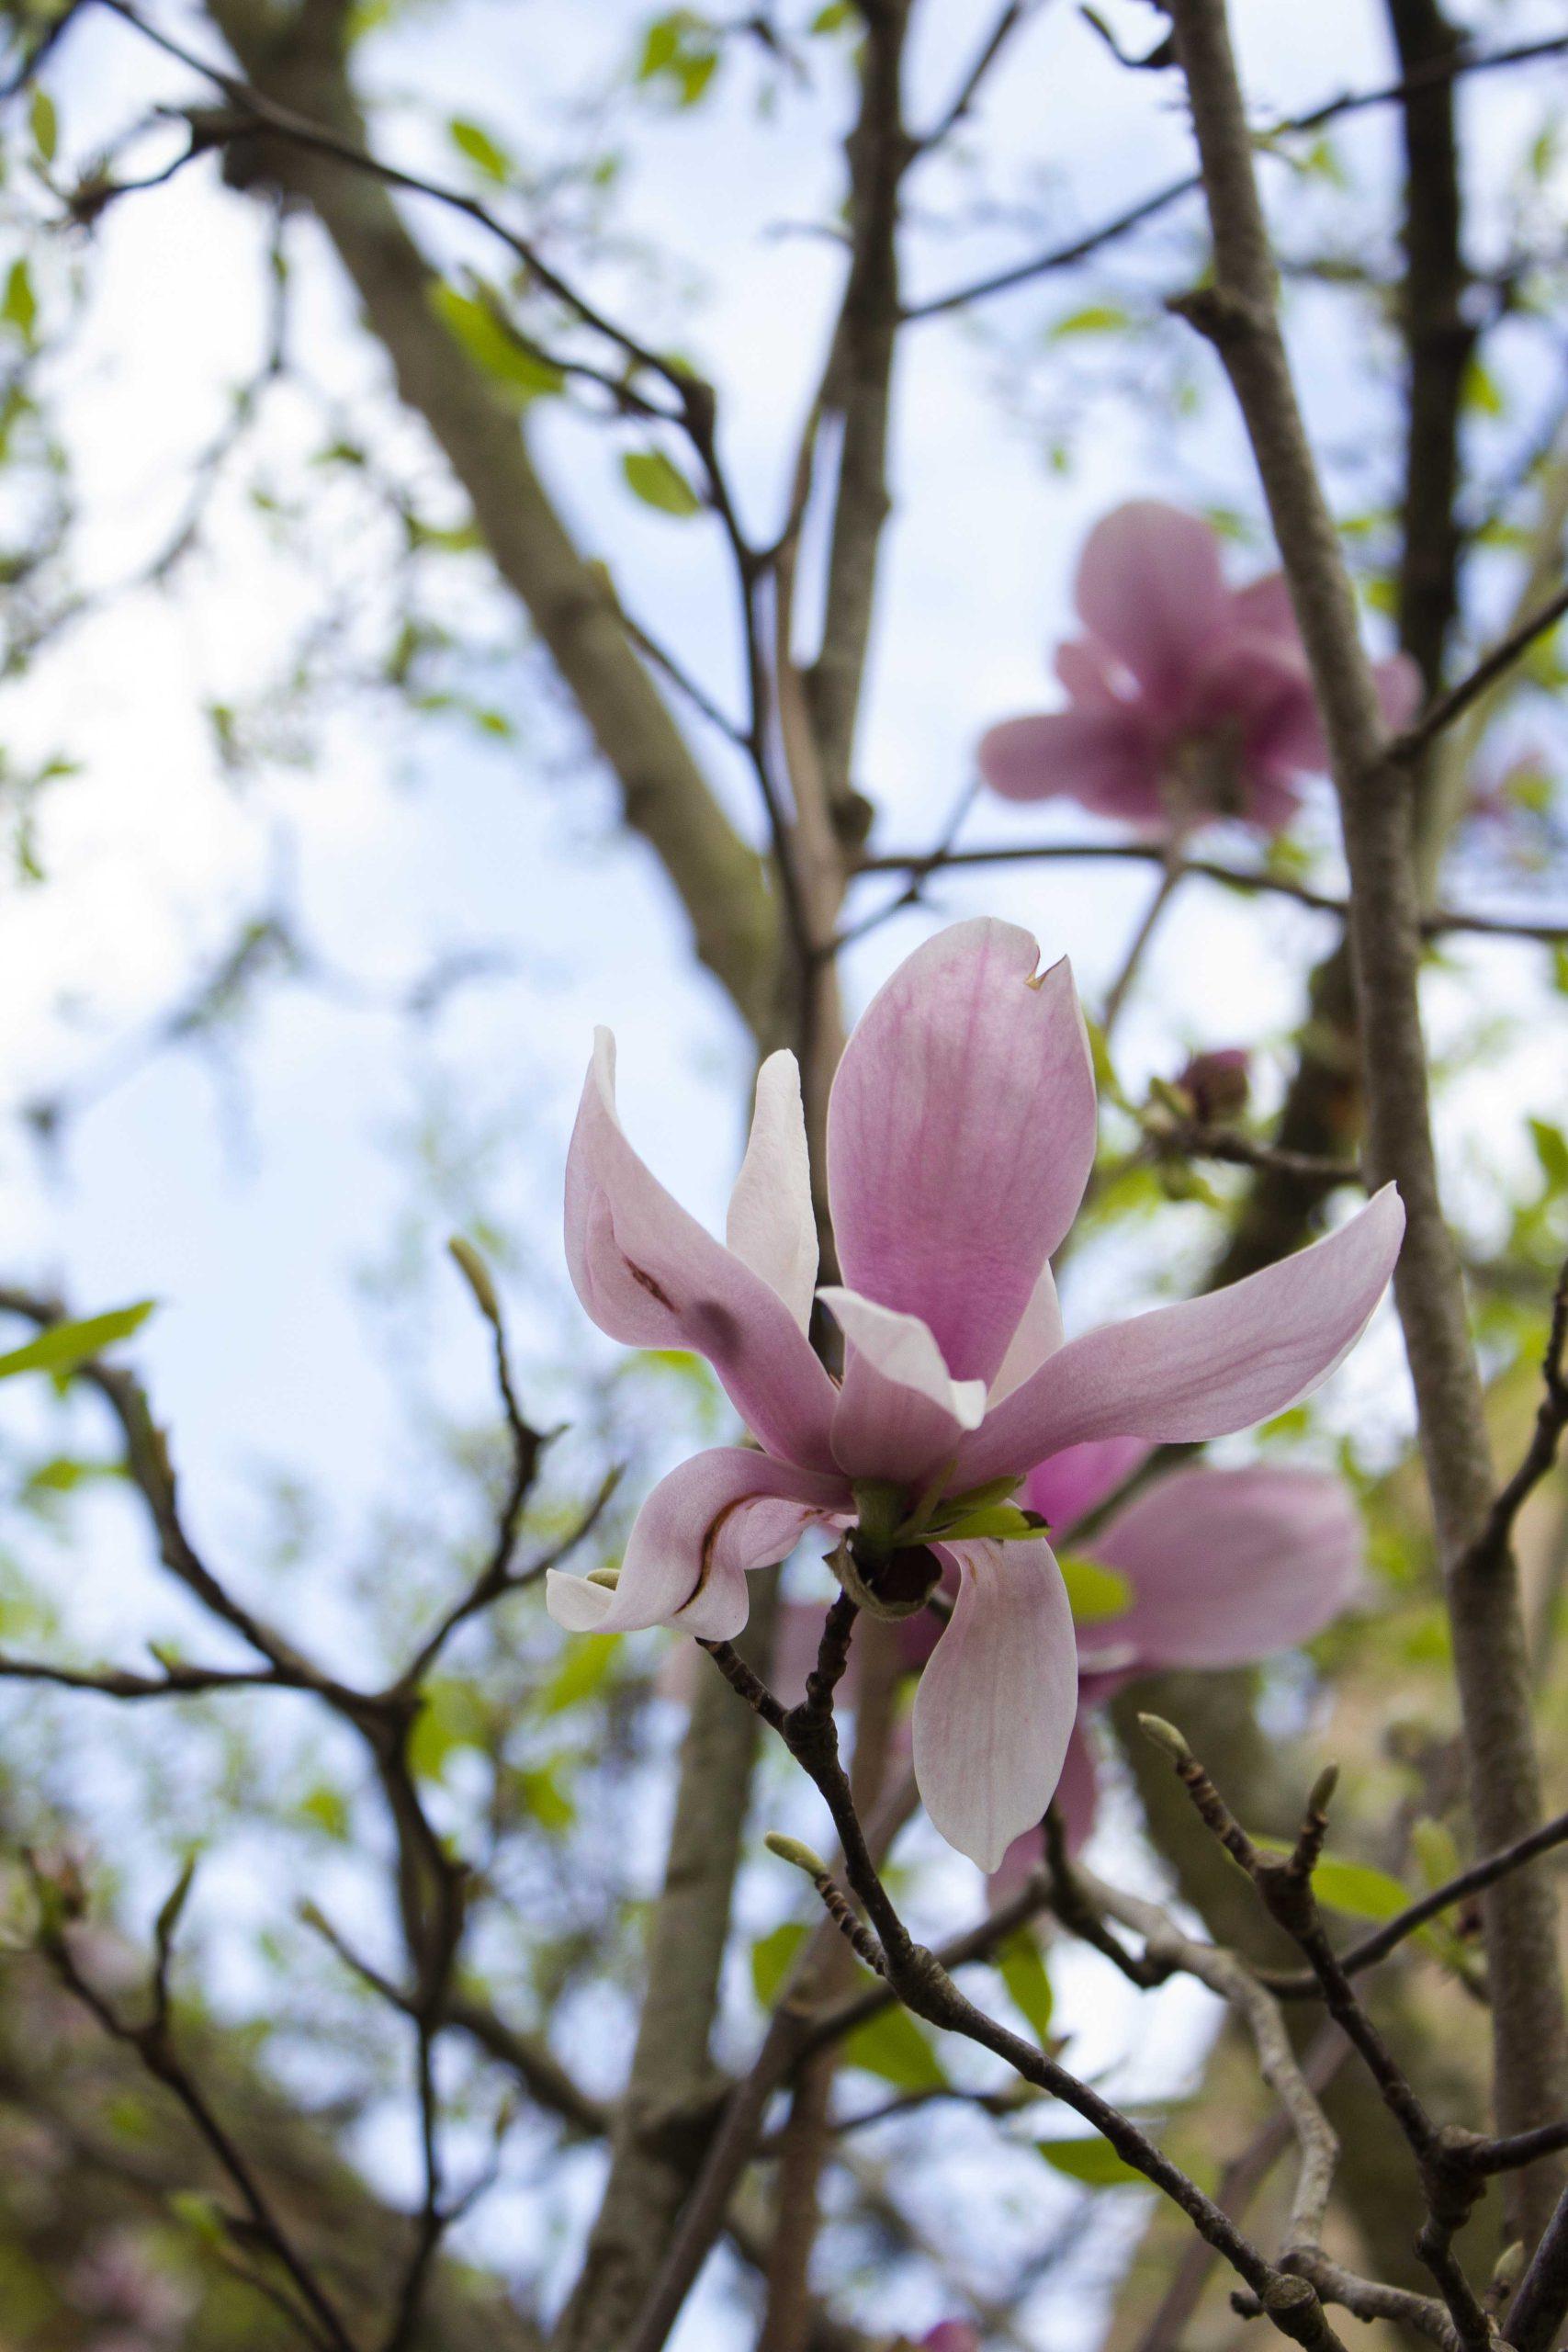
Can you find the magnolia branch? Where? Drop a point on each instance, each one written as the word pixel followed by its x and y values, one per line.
pixel 1440 921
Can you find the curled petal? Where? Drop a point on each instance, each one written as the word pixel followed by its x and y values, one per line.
pixel 648 1275
pixel 995 1707
pixel 701 1529
pixel 900 1412
pixel 1229 1565
pixel 1104 757
pixel 1039 1335
pixel 1151 586
pixel 960 1136
pixel 1207 1366
pixel 771 1228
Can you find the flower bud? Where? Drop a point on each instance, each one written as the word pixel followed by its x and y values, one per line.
pixel 1217 1083
pixel 798 1855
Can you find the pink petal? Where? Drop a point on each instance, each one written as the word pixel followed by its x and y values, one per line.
pixel 1228 1565
pixel 1093 678
pixel 1070 1484
pixel 960 1133
pixel 1263 609
pixel 1039 1335
pixel 995 1707
pixel 900 1413
pixel 648 1275
pixel 1398 682
pixel 1107 760
pixel 1207 1366
pixel 1151 585
pixel 699 1530
pixel 1077 1800
pixel 771 1226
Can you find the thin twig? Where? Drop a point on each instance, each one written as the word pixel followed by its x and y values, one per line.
pixel 1064 256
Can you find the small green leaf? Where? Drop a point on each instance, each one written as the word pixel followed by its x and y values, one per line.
pixel 650 477
pixel 1483 394
pixel 200 2213
pixel 1096 1592
pixel 44 123
pixel 327 1809
pixel 773 1957
pixel 521 374
pixel 580 1674
pixel 19 306
pixel 1092 2162
pixel 892 2046
pixel 833 17
pixel 544 1798
pixel 66 1346
pixel 997 1523
pixel 1094 318
pixel 1552 1150
pixel 1359 1889
pixel 1023 1972
pixel 473 141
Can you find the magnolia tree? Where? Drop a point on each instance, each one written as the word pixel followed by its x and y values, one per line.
pixel 826 1822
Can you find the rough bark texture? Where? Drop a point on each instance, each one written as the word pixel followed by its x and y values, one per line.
pixel 1239 315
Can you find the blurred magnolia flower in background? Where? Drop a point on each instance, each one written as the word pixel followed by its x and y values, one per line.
pixel 960 1133
pixel 1188 701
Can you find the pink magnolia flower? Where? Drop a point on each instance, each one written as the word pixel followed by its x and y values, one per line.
pixel 1186 700
pixel 961 1131
pixel 1224 1567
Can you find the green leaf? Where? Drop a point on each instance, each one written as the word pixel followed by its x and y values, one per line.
pixel 66 1346
pixel 1482 395
pixel 452 1716
pixel 1552 1150
pixel 1092 2162
pixel 522 375
pixel 650 477
pixel 1023 1972
pixel 327 1809
pixel 44 123
pixel 1094 318
pixel 773 1957
pixel 199 2212
pixel 473 141
pixel 894 2047
pixel 833 17
pixel 19 307
pixel 580 1674
pixel 1358 1889
pixel 544 1798
pixel 998 1523
pixel 1096 1592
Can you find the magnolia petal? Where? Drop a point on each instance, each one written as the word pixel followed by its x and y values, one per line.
pixel 995 1707
pixel 1039 1335
pixel 1102 756
pixel 1263 609
pixel 1229 1565
pixel 651 1276
pixel 1207 1366
pixel 1150 585
pixel 771 1228
pixel 1093 678
pixel 900 1413
pixel 1070 1484
pixel 1398 682
pixel 698 1532
pixel 960 1133
pixel 1077 1800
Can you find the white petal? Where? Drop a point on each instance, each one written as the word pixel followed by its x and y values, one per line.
pixel 997 1703
pixel 771 1225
